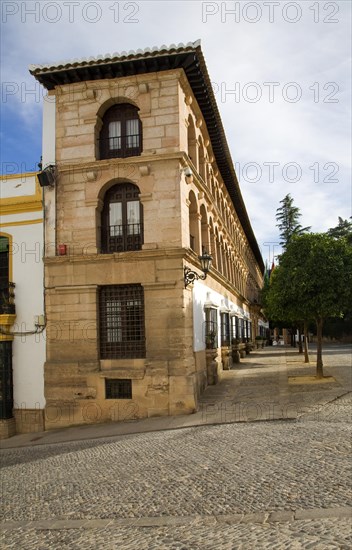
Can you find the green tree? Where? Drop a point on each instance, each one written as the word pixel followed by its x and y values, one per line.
pixel 312 281
pixel 288 217
pixel 342 230
pixel 337 328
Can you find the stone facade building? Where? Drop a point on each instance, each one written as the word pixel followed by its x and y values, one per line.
pixel 144 185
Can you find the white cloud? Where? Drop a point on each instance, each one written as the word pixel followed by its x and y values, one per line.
pixel 311 54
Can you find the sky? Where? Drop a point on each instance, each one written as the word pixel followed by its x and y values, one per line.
pixel 280 71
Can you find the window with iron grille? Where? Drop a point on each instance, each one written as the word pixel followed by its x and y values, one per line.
pixel 121 133
pixel 225 329
pixel 211 328
pixel 234 327
pixel 240 329
pixel 122 332
pixel 122 219
pixel 118 388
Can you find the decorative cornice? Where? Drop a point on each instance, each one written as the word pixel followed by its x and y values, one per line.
pixel 22 222
pixel 99 165
pixel 133 256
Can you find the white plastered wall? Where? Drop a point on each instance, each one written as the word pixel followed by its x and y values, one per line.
pixel 202 296
pixel 25 232
pixel 48 158
pixel 20 186
pixel 29 350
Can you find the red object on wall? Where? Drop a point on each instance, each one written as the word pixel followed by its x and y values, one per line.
pixel 62 250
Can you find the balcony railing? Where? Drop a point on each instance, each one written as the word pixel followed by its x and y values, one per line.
pixel 7 299
pixel 122 238
pixel 121 146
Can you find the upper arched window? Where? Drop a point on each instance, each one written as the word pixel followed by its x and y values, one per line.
pixel 121 133
pixel 201 157
pixel 193 223
pixel 192 142
pixel 122 219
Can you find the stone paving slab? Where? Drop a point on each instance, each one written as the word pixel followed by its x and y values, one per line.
pixel 318 513
pixel 281 517
pixel 164 521
pixel 325 534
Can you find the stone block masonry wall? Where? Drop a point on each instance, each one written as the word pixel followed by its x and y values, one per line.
pixel 162 383
pixel 81 191
pixel 80 108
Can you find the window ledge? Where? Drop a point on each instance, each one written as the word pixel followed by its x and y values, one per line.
pixel 123 368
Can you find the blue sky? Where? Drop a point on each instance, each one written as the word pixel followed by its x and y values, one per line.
pixel 280 72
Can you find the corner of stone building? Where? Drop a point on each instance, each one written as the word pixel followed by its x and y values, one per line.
pixel 7 428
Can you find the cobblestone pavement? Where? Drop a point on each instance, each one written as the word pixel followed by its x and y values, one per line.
pixel 257 389
pixel 260 485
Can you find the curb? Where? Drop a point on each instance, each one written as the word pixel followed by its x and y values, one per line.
pixel 171 521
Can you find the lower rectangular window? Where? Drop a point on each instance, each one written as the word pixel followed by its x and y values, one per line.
pixel 118 388
pixel 122 331
pixel 234 327
pixel 225 329
pixel 211 328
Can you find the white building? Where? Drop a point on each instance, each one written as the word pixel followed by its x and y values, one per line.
pixel 22 330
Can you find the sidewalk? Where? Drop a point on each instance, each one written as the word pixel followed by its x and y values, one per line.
pixel 261 387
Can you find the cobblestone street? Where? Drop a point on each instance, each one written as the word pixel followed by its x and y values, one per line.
pixel 245 485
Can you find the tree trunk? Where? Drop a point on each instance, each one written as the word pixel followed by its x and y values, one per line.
pixel 293 339
pixel 306 355
pixel 300 347
pixel 319 348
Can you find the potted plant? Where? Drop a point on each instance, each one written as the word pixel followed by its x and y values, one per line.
pixel 248 346
pixel 7 300
pixel 5 306
pixel 235 342
pixel 259 341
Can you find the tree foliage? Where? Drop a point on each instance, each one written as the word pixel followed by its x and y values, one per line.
pixel 342 230
pixel 313 281
pixel 288 217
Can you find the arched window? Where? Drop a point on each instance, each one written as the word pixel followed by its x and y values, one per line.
pixel 218 251
pixel 213 250
pixel 201 156
pixel 122 219
pixel 204 230
pixel 121 133
pixel 193 223
pixel 192 142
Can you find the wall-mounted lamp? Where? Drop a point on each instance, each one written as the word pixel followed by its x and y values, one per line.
pixel 47 177
pixel 191 276
pixel 187 172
